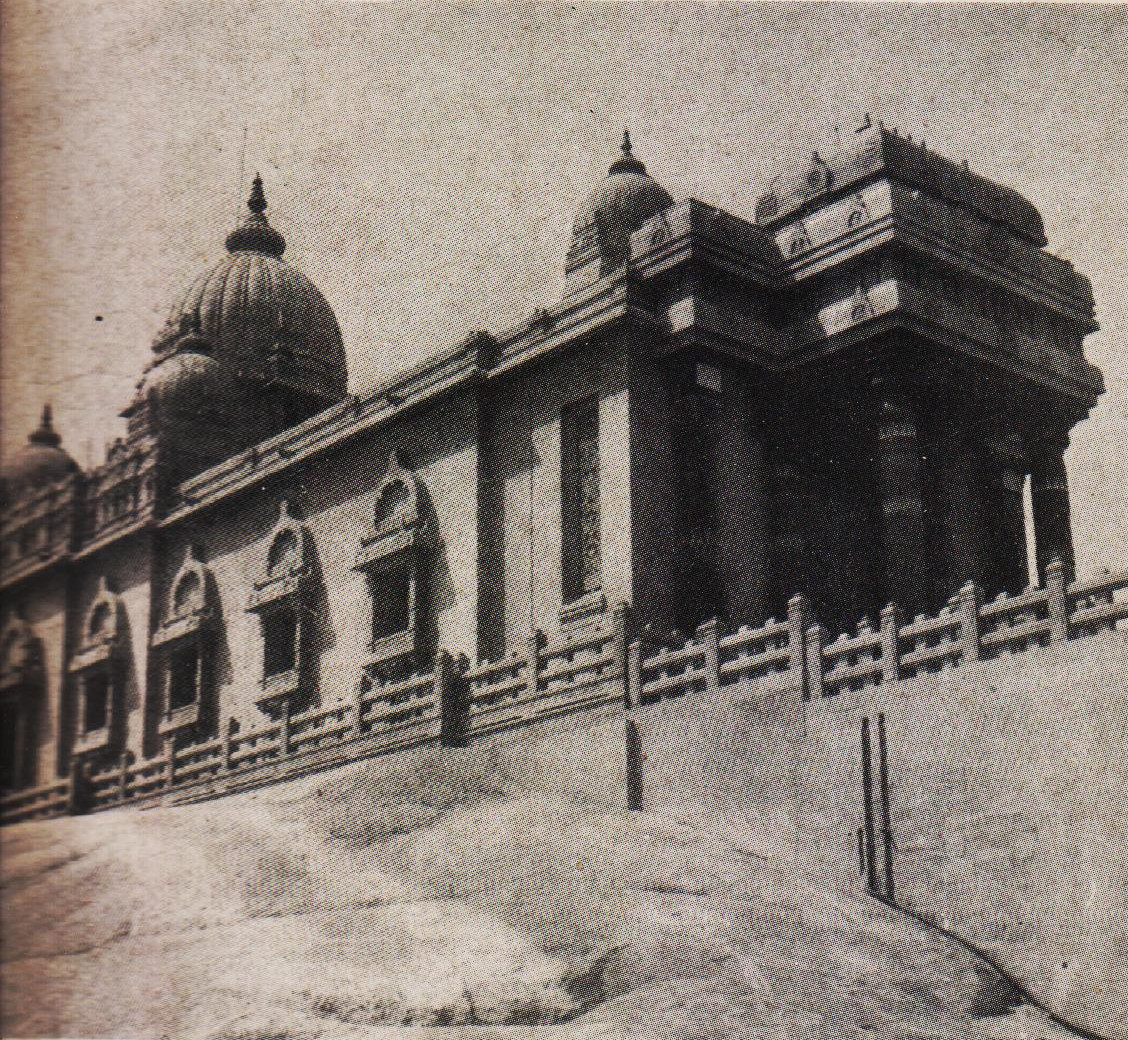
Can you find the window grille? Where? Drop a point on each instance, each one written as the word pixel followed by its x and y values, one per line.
pixel 583 564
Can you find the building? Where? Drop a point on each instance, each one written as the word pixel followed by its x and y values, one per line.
pixel 844 395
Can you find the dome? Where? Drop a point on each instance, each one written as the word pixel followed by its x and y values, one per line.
pixel 622 202
pixel 190 381
pixel 41 462
pixel 261 316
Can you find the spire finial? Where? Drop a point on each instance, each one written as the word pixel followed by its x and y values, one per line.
pixel 255 234
pixel 625 162
pixel 45 433
pixel 257 202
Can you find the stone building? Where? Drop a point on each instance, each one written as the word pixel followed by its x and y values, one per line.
pixel 843 393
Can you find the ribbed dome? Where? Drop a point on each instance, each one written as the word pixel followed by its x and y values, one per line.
pixel 622 202
pixel 41 462
pixel 262 316
pixel 188 383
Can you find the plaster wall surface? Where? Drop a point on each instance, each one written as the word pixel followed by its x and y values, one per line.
pixel 1007 783
pixel 521 574
pixel 335 498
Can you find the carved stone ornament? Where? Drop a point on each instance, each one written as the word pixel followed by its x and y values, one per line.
pixel 103 629
pixel 284 564
pixel 188 609
pixel 397 521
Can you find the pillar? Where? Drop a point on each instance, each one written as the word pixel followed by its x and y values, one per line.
pixel 1008 479
pixel 1049 493
pixel 742 532
pixel 960 503
pixel 900 486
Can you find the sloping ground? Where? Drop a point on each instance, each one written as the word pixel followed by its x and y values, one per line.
pixel 495 885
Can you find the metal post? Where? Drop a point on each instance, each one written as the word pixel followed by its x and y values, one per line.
pixel 867 802
pixel 886 828
pixel 634 765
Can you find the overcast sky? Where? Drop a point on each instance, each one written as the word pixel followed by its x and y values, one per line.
pixel 424 163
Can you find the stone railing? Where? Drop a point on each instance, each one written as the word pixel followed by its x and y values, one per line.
pixel 456 702
pixel 574 671
pixel 797 653
pixel 452 702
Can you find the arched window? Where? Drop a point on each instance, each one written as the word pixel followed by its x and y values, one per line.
pixel 187 593
pixel 183 647
pixel 279 598
pixel 98 667
pixel 99 620
pixel 284 553
pixel 390 557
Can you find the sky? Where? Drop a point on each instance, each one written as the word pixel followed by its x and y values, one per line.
pixel 424 163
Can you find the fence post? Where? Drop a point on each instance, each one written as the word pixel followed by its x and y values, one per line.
pixel 816 635
pixel 1057 601
pixel 634 675
pixel 126 761
pixel 620 646
pixel 798 618
pixel 709 635
pixel 170 762
pixel 634 765
pixel 229 732
pixel 77 788
pixel 534 644
pixel 284 733
pixel 890 643
pixel 971 598
pixel 452 702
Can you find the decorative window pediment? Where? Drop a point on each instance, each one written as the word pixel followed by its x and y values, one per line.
pixel 390 558
pixel 188 609
pixel 282 572
pixel 21 657
pixel 184 646
pixel 397 521
pixel 98 673
pixel 103 629
pixel 280 588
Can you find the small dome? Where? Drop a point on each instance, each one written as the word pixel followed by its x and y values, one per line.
pixel 189 382
pixel 263 317
pixel 622 202
pixel 41 462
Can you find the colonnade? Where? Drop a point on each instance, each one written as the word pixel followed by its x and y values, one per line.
pixel 948 491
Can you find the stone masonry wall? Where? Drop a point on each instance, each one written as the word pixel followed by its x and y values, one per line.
pixel 1006 782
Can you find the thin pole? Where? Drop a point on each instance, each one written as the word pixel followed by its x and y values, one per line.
pixel 886 829
pixel 239 186
pixel 867 801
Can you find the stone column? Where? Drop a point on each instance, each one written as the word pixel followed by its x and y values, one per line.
pixel 960 493
pixel 1049 493
pixel 1009 479
pixel 900 486
pixel 742 522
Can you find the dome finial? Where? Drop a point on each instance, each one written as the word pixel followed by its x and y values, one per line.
pixel 625 162
pixel 45 434
pixel 255 235
pixel 257 202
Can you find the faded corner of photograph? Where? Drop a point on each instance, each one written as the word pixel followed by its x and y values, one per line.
pixel 563 521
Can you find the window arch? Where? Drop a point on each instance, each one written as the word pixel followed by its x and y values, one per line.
pixel 278 595
pixel 98 675
pixel 391 559
pixel 184 651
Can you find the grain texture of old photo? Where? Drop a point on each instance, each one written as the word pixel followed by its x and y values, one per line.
pixel 563 520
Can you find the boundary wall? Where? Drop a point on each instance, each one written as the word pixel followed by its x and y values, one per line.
pixel 454 701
